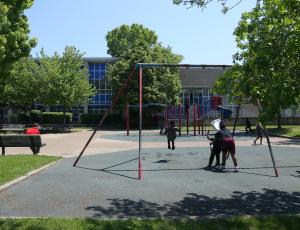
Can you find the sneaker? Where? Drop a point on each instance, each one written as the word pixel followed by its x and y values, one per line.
pixel 207 167
pixel 236 168
pixel 173 147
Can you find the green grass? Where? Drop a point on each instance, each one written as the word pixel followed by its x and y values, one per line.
pixel 287 130
pixel 12 167
pixel 288 222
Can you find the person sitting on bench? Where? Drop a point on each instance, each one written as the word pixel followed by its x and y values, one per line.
pixel 33 130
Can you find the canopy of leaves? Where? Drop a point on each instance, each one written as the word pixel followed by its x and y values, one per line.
pixel 267 65
pixel 66 78
pixel 48 80
pixel 203 3
pixel 24 85
pixel 14 30
pixel 136 44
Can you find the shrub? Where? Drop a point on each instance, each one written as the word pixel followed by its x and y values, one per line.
pixel 35 116
pixel 56 117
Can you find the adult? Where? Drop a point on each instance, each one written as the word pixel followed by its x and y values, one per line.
pixel 228 146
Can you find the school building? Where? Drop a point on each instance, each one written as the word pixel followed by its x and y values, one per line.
pixel 196 87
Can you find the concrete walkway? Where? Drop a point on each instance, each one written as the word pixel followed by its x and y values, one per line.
pixel 71 144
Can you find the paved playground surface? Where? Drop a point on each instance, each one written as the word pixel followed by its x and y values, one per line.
pixel 173 184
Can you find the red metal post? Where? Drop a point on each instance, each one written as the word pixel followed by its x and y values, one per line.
pixel 179 114
pixel 203 120
pixel 198 114
pixel 140 122
pixel 127 118
pixel 194 120
pixel 115 100
pixel 188 120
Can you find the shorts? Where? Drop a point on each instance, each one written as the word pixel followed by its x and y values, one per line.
pixel 228 145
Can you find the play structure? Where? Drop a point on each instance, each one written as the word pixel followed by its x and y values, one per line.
pixel 139 67
pixel 185 116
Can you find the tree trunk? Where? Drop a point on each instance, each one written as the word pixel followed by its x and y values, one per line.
pixel 64 111
pixel 279 121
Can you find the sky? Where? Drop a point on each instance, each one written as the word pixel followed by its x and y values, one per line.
pixel 201 37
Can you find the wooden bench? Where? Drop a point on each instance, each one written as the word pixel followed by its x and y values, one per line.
pixel 18 128
pixel 32 141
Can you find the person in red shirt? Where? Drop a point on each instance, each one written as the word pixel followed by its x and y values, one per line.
pixel 33 130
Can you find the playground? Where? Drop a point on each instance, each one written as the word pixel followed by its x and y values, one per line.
pixel 174 183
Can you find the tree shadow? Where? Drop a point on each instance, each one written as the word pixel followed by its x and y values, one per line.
pixel 287 142
pixel 198 206
pixel 296 175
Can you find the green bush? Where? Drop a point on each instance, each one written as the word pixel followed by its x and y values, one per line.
pixel 35 116
pixel 56 117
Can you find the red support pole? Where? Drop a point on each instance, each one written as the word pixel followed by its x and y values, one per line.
pixel 194 120
pixel 115 100
pixel 198 113
pixel 179 114
pixel 127 118
pixel 203 120
pixel 187 121
pixel 140 122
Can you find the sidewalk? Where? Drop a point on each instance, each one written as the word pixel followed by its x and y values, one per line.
pixel 71 144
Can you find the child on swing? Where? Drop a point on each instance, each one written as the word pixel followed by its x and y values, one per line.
pixel 171 134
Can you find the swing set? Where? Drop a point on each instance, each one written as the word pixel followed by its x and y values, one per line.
pixel 139 67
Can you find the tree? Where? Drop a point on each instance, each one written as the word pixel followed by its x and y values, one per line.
pixel 14 30
pixel 67 79
pixel 24 85
pixel 203 3
pixel 137 44
pixel 267 65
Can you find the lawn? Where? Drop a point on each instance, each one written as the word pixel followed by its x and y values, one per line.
pixel 12 167
pixel 287 131
pixel 288 222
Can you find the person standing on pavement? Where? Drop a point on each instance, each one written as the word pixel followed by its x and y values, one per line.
pixel 259 133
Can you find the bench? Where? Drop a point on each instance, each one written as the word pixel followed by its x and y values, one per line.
pixel 32 141
pixel 19 128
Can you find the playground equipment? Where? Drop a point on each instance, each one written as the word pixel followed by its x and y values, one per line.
pixel 140 67
pixel 197 114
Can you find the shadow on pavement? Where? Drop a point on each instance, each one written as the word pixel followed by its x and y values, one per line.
pixel 199 206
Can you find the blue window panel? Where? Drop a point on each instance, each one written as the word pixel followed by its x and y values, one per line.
pixel 102 75
pixel 91 67
pixel 97 99
pixel 102 97
pixel 97 67
pixel 91 75
pixel 97 75
pixel 102 67
pixel 108 97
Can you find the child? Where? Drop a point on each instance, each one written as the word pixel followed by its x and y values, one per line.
pixel 228 145
pixel 171 134
pixel 259 133
pixel 248 126
pixel 216 149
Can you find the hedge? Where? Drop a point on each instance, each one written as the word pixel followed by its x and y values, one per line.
pixel 56 117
